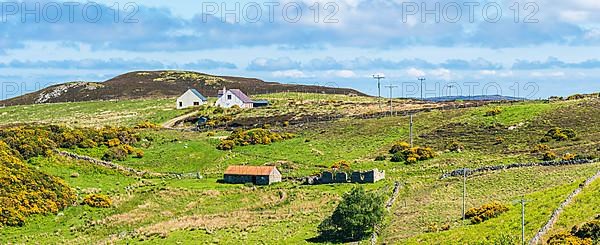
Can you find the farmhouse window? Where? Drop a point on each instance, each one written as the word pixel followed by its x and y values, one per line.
pixel 229 97
pixel 196 103
pixel 180 104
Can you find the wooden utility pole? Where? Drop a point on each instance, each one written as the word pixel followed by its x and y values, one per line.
pixel 464 202
pixel 391 87
pixel 379 77
pixel 411 130
pixel 523 221
pixel 421 79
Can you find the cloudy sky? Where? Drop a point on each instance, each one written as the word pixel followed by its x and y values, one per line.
pixel 516 48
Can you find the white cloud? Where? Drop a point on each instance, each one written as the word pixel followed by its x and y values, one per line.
pixel 342 73
pixel 547 74
pixel 488 72
pixel 414 72
pixel 289 74
pixel 443 74
pixel 574 15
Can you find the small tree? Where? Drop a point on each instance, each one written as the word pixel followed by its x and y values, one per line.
pixel 355 217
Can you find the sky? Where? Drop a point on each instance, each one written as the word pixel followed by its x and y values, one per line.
pixel 532 49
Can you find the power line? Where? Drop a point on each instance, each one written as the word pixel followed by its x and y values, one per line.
pixel 379 77
pixel 391 87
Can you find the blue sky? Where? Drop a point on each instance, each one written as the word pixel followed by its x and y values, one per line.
pixel 545 48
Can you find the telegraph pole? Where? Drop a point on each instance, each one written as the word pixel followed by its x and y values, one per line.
pixel 411 130
pixel 450 90
pixel 523 221
pixel 391 87
pixel 464 202
pixel 379 77
pixel 421 79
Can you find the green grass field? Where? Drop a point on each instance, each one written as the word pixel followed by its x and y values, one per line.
pixel 200 211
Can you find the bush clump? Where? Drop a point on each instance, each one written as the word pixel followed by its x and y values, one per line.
pixel 25 191
pixel 257 136
pixel 342 164
pixel 146 124
pixel 97 201
pixel 559 134
pixel 355 217
pixel 380 158
pixel 226 145
pixel 455 146
pixel 403 152
pixel 588 233
pixel 540 148
pixel 485 212
pixel 493 112
pixel 568 156
pixel 549 156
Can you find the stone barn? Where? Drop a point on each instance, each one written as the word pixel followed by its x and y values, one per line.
pixel 258 175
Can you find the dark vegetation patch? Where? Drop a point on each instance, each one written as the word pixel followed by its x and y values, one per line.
pixel 257 136
pixel 485 212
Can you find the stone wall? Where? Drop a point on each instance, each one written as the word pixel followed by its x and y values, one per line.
pixel 329 177
pixel 460 172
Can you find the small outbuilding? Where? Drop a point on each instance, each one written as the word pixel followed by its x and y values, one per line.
pixel 190 98
pixel 258 175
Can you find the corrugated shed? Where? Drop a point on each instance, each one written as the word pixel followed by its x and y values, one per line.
pixel 250 170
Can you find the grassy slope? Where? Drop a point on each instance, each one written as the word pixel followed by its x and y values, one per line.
pixel 167 208
pixel 94 113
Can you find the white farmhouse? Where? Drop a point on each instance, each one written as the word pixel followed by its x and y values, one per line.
pixel 233 97
pixel 190 98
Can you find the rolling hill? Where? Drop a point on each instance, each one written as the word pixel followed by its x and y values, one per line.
pixel 159 84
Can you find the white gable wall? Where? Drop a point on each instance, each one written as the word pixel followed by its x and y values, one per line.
pixel 188 99
pixel 229 100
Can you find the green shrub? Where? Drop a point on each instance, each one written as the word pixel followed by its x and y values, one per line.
pixel 493 112
pixel 549 156
pixel 568 156
pixel 256 136
pixel 567 238
pixel 355 217
pixel 455 146
pixel 25 191
pixel 146 124
pixel 97 201
pixel 399 147
pixel 139 153
pixel 540 148
pixel 210 134
pixel 589 230
pixel 403 152
pixel 88 143
pixel 226 145
pixel 559 134
pixel 113 142
pixel 380 158
pixel 485 212
pixel 118 153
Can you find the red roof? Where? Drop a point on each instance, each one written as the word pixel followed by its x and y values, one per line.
pixel 250 170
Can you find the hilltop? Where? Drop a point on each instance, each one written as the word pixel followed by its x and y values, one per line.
pixel 159 84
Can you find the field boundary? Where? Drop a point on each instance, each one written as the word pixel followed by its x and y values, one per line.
pixel 461 171
pixel 556 213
